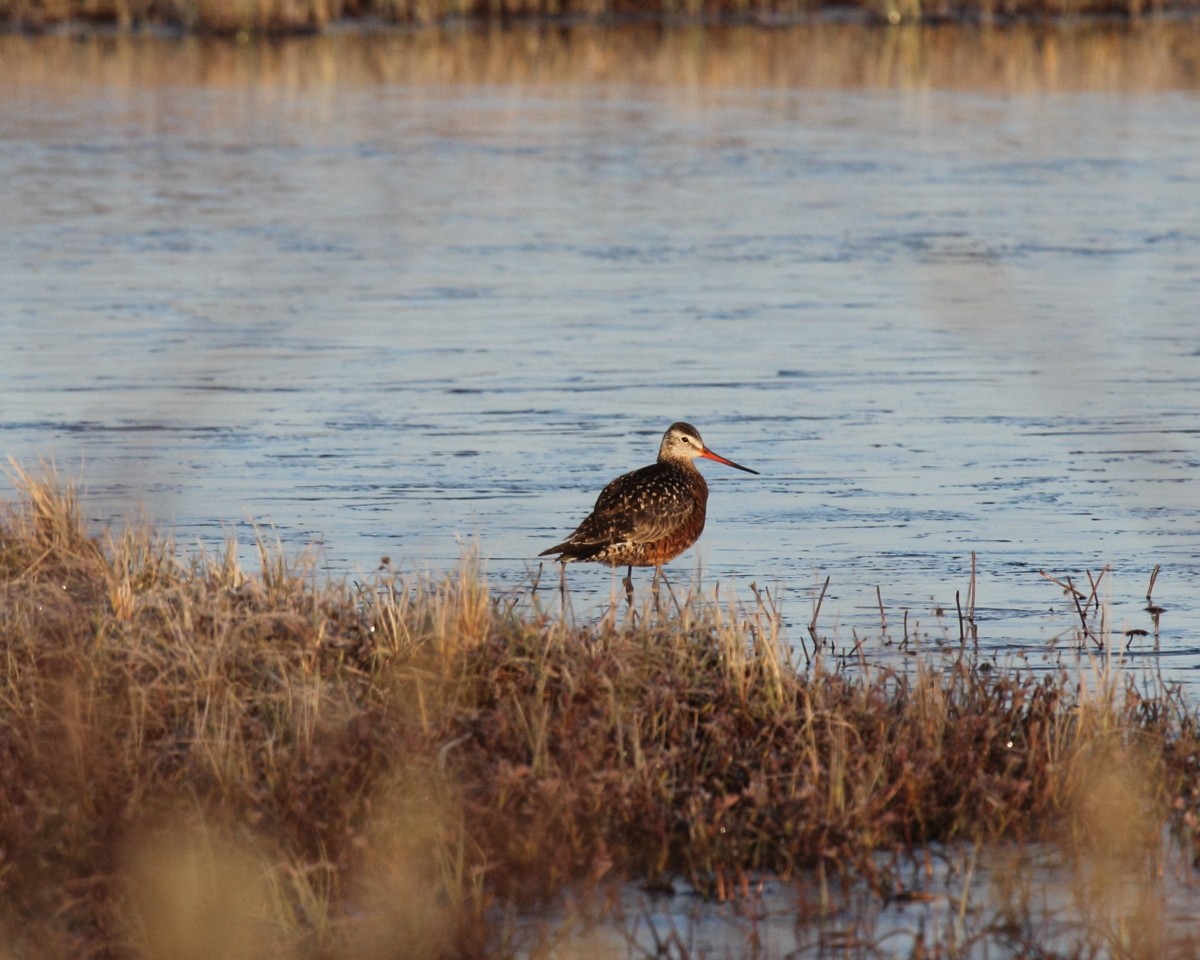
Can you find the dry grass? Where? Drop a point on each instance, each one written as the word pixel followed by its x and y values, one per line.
pixel 1026 59
pixel 202 761
pixel 247 17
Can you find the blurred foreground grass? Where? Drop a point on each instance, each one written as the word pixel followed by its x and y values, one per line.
pixel 197 760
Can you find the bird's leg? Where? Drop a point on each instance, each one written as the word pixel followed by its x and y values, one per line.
pixel 628 583
pixel 562 584
pixel 654 587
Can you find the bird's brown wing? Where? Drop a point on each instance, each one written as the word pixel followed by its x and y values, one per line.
pixel 644 506
pixel 610 522
pixel 616 518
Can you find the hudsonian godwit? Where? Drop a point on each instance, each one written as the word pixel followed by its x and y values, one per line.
pixel 649 516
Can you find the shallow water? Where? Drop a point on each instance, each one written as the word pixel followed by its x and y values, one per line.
pixel 1002 902
pixel 395 295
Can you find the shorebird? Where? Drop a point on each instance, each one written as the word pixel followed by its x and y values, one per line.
pixel 649 516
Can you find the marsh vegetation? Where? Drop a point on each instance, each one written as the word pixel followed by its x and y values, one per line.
pixel 302 16
pixel 204 760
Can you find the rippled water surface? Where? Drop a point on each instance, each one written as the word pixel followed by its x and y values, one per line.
pixel 393 295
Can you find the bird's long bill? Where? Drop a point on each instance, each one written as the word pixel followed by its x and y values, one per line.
pixel 729 463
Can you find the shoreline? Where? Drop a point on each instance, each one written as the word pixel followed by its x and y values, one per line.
pixel 268 20
pixel 1092 56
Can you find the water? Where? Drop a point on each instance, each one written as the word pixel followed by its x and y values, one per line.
pixel 397 295
pixel 1011 901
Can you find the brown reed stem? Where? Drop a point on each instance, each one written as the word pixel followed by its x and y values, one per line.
pixel 812 624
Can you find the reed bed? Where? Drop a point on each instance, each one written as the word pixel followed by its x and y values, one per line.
pixel 1102 58
pixel 198 760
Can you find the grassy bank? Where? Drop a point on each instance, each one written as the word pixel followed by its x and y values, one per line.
pixel 197 760
pixel 302 16
pixel 1020 60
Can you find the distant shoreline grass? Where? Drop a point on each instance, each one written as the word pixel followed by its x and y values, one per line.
pixel 1092 56
pixel 197 760
pixel 282 17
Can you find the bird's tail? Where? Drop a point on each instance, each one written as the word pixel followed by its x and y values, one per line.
pixel 569 552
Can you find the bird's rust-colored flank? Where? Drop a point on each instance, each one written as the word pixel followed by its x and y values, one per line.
pixel 649 516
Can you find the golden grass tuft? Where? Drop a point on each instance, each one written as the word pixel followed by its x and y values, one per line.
pixel 200 760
